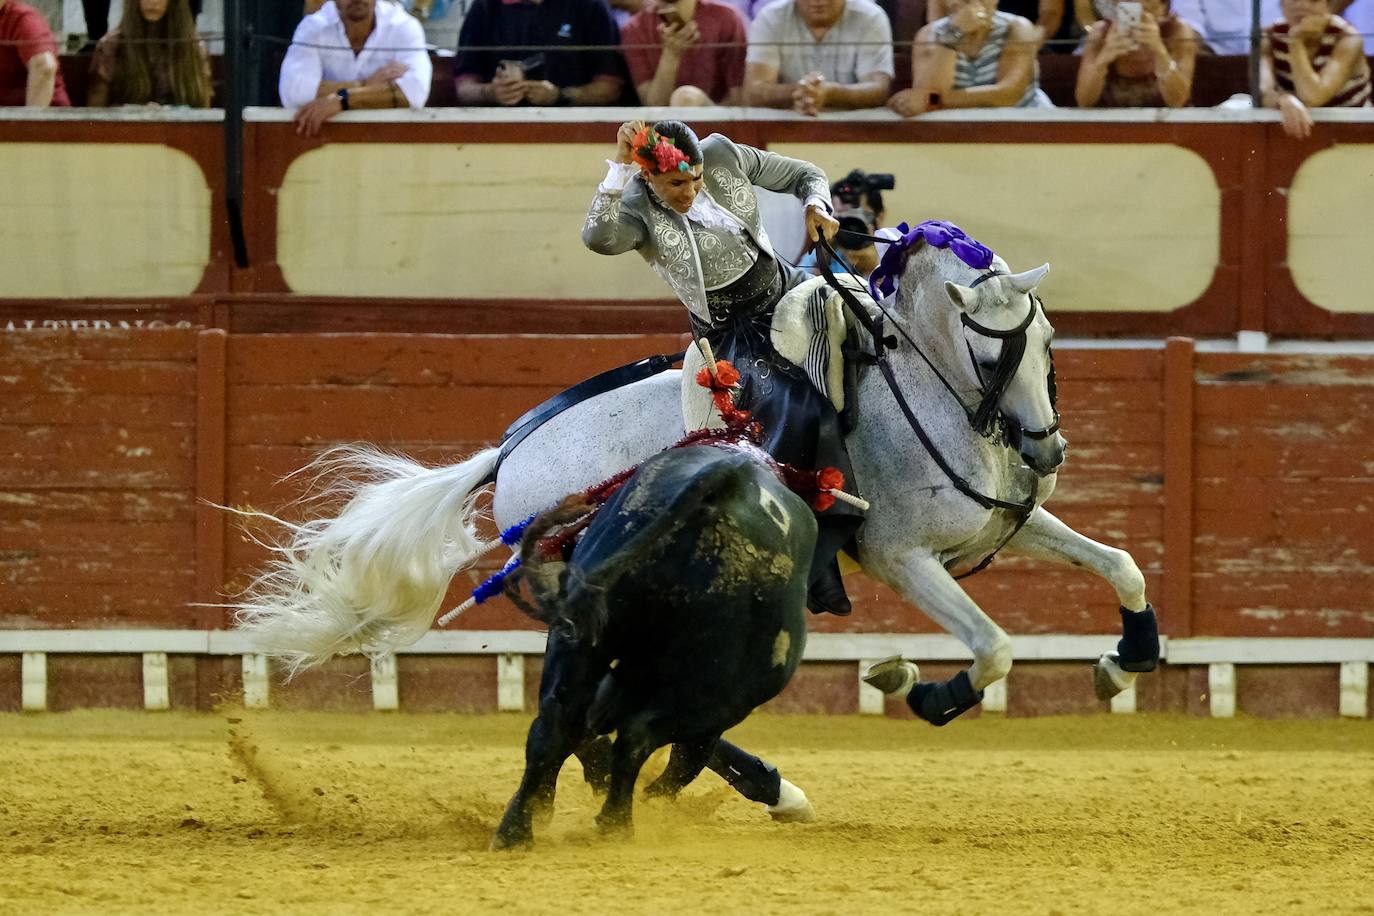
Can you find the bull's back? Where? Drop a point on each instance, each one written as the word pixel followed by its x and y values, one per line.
pixel 706 556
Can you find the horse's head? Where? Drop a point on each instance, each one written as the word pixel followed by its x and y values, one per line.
pixel 1007 336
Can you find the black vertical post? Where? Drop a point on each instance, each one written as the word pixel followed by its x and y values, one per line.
pixel 239 66
pixel 1255 33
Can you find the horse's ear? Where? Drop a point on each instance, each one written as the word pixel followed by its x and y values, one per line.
pixel 1025 282
pixel 966 298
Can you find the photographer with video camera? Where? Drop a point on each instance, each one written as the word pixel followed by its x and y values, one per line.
pixel 857 199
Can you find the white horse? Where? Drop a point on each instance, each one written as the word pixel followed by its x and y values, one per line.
pixel 373 576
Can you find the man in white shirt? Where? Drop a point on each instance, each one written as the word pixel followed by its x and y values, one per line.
pixel 814 55
pixel 1225 24
pixel 354 54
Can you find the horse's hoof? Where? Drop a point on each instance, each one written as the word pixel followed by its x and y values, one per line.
pixel 1108 677
pixel 894 676
pixel 793 806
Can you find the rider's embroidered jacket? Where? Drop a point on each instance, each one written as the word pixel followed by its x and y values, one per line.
pixel 636 219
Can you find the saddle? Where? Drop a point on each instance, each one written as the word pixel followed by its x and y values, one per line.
pixel 813 331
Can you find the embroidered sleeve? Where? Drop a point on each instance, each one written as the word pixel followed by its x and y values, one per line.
pixel 609 229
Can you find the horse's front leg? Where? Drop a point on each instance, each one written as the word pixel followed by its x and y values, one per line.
pixel 1045 537
pixel 922 580
pixel 566 689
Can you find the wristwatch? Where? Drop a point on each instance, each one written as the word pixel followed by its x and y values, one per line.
pixel 949 35
pixel 343 98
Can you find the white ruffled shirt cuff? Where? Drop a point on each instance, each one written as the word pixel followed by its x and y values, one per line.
pixel 618 177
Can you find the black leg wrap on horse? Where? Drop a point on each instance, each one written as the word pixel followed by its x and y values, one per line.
pixel 1138 650
pixel 942 703
pixel 755 779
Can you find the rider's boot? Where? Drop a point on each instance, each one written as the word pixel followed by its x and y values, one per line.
pixel 827 595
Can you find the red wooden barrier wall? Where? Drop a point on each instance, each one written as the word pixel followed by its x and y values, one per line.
pixel 1256 466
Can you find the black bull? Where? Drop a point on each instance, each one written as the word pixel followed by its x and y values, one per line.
pixel 681 609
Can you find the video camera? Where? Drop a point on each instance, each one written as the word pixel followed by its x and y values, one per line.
pixel 858 199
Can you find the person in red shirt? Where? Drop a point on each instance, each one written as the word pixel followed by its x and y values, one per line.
pixel 686 52
pixel 29 74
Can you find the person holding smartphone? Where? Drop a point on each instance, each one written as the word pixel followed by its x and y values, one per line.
pixel 1142 57
pixel 686 52
pixel 589 72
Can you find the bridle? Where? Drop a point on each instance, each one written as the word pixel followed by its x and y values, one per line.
pixel 987 418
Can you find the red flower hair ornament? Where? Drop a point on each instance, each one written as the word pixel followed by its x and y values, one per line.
pixel 658 153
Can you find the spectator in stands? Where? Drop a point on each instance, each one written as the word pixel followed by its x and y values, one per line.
pixel 1224 24
pixel 29 74
pixel 153 56
pixel 354 54
pixel 97 14
pixel 1152 67
pixel 976 57
pixel 486 75
pixel 1312 59
pixel 686 52
pixel 818 55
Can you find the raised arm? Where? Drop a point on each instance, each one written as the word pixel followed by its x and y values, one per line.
pixel 609 229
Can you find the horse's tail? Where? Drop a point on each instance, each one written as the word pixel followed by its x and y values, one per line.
pixel 372 577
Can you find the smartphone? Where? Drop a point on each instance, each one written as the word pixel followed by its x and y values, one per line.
pixel 511 69
pixel 1127 18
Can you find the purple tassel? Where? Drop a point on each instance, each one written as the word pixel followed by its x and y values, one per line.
pixel 936 232
pixel 496 582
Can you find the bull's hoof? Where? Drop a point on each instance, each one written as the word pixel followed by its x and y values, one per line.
pixel 510 840
pixel 614 827
pixel 894 676
pixel 1109 678
pixel 793 806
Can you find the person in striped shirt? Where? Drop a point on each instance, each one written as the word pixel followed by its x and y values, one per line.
pixel 1312 59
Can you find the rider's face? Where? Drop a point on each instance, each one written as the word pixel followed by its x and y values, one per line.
pixel 677 189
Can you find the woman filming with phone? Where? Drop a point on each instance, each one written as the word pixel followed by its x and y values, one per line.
pixel 1142 57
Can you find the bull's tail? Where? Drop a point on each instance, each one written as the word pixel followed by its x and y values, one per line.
pixel 372 577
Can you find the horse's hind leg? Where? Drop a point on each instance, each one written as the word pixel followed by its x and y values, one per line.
pixel 759 781
pixel 565 691
pixel 685 763
pixel 1045 537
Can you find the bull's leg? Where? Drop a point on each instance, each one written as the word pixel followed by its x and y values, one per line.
pixel 634 743
pixel 565 691
pixel 759 781
pixel 1045 537
pixel 685 763
pixel 595 756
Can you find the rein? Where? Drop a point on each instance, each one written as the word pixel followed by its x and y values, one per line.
pixel 882 343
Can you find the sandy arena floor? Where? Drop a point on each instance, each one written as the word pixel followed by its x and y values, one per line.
pixel 106 812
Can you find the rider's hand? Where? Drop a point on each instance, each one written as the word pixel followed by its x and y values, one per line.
pixel 819 222
pixel 624 141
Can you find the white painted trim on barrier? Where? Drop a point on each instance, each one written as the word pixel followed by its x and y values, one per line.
pixel 819 646
pixel 1270 650
pixel 872 701
pixel 1221 689
pixel 156 690
pixel 1355 690
pixel 510 682
pixel 33 679
pixel 995 696
pixel 256 686
pixel 386 689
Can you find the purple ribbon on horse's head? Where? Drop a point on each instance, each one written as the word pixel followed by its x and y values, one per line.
pixel 935 232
